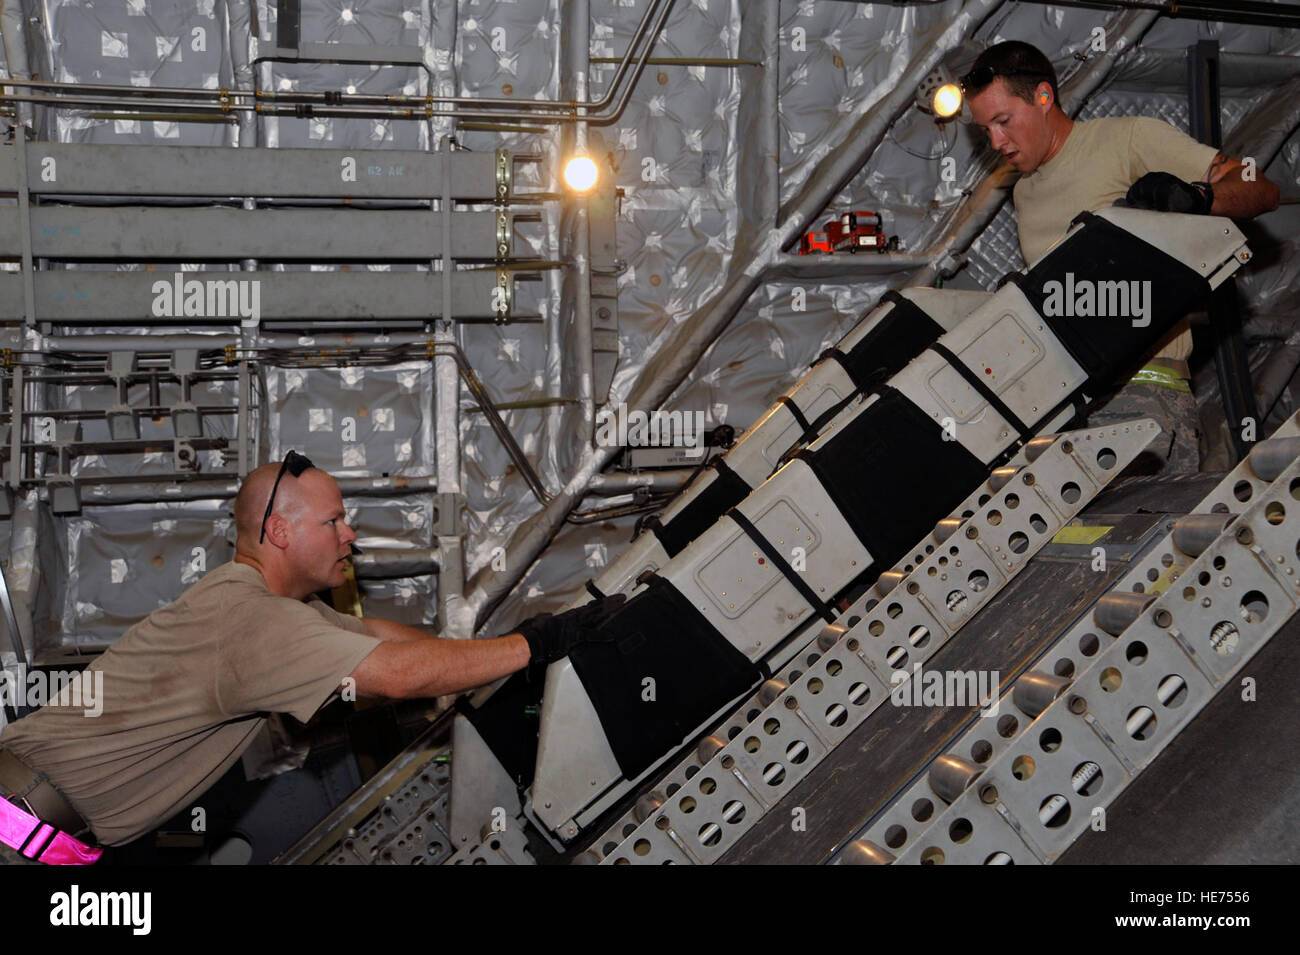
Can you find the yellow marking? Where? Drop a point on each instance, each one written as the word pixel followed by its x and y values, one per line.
pixel 1081 534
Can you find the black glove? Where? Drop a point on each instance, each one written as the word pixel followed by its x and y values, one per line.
pixel 1165 192
pixel 551 636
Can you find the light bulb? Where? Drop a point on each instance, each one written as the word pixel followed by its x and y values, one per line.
pixel 947 101
pixel 580 173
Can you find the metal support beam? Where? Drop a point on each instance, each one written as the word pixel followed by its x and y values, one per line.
pixel 225 235
pixel 759 176
pixel 78 169
pixel 1231 360
pixel 86 297
pixel 575 237
pixel 452 619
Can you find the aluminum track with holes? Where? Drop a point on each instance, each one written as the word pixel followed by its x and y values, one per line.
pixel 1020 508
pixel 910 816
pixel 1156 649
pixel 712 798
pixel 409 828
pixel 887 581
pixel 400 817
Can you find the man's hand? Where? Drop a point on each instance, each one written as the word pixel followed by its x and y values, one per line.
pixel 551 636
pixel 1165 192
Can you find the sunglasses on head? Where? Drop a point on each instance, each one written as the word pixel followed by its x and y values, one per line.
pixel 295 464
pixel 982 77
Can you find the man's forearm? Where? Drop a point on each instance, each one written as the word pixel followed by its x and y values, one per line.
pixel 435 666
pixel 1237 199
pixel 1235 195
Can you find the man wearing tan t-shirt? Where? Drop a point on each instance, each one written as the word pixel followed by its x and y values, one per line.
pixel 187 689
pixel 1068 167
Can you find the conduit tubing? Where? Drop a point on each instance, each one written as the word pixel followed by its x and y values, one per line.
pixel 141 492
pixel 230 101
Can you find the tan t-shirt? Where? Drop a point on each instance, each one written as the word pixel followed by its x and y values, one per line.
pixel 1100 160
pixel 184 692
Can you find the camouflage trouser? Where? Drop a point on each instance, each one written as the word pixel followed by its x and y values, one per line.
pixel 1177 449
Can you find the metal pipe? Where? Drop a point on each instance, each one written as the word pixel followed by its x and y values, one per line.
pixel 377 563
pixel 576 16
pixel 760 175
pixel 247 438
pixel 290 341
pixel 421 108
pixel 98 414
pixel 669 479
pixel 217 110
pixel 684 61
pixel 238 23
pixel 594 116
pixel 14 33
pixel 440 76
pixel 612 511
pixel 683 347
pixel 1239 11
pixel 165 117
pixel 100 344
pixel 637 37
pixel 495 421
pixel 141 492
pixel 24 567
pixel 793 266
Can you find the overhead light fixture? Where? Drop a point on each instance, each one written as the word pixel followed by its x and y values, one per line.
pixel 947 101
pixel 580 174
pixel 939 95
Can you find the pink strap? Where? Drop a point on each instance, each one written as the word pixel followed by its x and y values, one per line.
pixel 16 824
pixel 65 850
pixel 44 832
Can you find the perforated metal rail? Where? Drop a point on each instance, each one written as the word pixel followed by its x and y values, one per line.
pixel 783 656
pixel 1102 703
pixel 408 828
pixel 708 801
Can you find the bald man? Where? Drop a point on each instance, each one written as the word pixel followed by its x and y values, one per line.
pixel 187 689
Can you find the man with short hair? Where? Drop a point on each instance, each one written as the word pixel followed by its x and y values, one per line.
pixel 1069 166
pixel 187 689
